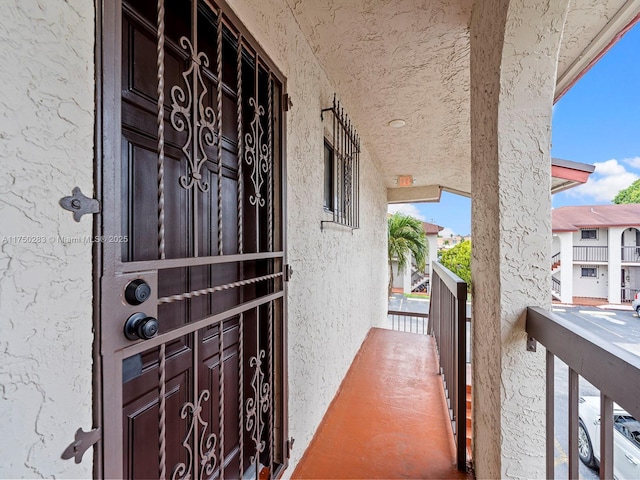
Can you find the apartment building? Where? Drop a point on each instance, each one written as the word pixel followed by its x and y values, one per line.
pixel 412 278
pixel 596 252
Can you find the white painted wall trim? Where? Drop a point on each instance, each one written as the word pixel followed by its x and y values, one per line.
pixel 615 264
pixel 566 267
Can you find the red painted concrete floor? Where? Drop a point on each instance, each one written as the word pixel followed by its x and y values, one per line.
pixel 388 419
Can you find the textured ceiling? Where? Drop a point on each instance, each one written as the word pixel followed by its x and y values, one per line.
pixel 409 59
pixel 586 19
pixel 404 59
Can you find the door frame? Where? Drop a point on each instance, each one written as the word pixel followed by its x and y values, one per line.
pixel 105 256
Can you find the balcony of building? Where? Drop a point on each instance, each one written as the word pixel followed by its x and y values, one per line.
pixel 630 254
pixel 389 418
pixel 396 412
pixel 591 254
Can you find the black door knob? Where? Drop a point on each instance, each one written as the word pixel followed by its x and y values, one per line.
pixel 137 292
pixel 139 326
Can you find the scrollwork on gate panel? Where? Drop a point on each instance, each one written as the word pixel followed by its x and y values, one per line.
pixel 207 443
pixel 256 153
pixel 192 118
pixel 257 405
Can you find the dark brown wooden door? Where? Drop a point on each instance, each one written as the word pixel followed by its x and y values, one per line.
pixel 194 203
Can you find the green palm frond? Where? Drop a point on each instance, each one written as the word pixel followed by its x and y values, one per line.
pixel 406 235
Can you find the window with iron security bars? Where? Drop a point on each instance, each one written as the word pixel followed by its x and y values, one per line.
pixel 342 167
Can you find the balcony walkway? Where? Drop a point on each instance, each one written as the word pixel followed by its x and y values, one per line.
pixel 388 419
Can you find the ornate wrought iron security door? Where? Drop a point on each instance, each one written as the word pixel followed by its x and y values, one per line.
pixel 192 305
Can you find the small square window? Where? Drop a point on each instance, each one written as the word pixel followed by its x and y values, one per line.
pixel 589 272
pixel 589 234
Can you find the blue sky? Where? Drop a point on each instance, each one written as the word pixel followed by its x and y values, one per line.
pixel 596 122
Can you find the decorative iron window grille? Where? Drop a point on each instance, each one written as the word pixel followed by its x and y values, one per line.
pixel 328 176
pixel 342 189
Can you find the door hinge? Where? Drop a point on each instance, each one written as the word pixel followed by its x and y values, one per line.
pixel 290 443
pixel 81 444
pixel 79 204
pixel 288 272
pixel 286 102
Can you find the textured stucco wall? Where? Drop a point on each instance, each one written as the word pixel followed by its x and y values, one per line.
pixel 404 59
pixel 46 149
pixel 514 48
pixel 599 20
pixel 338 290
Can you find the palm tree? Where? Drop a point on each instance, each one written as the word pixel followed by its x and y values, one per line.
pixel 406 235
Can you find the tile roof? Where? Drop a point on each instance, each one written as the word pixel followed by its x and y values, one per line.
pixel 568 219
pixel 431 228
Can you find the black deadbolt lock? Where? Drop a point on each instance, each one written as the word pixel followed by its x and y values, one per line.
pixel 137 292
pixel 140 326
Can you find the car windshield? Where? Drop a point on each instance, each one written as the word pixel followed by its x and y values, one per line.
pixel 629 427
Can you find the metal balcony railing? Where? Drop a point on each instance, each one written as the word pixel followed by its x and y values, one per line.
pixel 628 294
pixel 411 322
pixel 555 285
pixel 416 275
pixel 631 254
pixel 608 367
pixel 448 317
pixel 591 254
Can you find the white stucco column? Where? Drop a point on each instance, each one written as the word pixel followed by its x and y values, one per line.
pixel 406 275
pixel 615 264
pixel 566 266
pixel 514 48
pixel 433 255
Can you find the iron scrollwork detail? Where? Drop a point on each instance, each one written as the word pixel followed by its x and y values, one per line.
pixel 257 405
pixel 197 120
pixel 207 444
pixel 256 153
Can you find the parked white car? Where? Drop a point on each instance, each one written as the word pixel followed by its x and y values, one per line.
pixel 626 439
pixel 636 303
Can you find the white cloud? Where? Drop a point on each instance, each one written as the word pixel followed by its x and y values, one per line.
pixel 606 181
pixel 609 168
pixel 632 162
pixel 407 209
pixel 446 232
